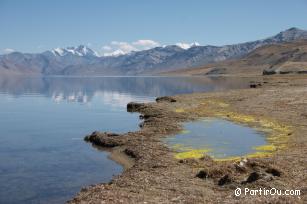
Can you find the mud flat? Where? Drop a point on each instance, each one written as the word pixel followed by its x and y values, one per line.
pixel 157 175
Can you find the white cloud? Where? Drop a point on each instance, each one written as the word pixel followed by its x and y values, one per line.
pixel 115 53
pixel 124 46
pixel 116 48
pixel 107 48
pixel 187 45
pixel 8 50
pixel 146 43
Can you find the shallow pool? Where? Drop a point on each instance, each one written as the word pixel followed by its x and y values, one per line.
pixel 216 137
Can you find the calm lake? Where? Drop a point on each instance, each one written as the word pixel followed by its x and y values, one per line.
pixel 43 158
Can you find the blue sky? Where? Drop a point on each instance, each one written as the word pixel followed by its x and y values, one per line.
pixel 38 25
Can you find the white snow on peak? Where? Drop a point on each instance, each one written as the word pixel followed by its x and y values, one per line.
pixel 187 45
pixel 58 51
pixel 79 51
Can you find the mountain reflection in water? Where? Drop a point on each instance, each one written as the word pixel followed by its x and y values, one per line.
pixel 43 158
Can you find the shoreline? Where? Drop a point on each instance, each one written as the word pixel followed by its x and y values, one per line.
pixel 116 154
pixel 155 176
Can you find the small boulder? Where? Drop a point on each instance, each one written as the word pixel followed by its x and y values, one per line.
pixel 202 174
pixel 103 139
pixel 273 171
pixel 165 99
pixel 254 176
pixel 224 180
pixel 130 153
pixel 255 85
pixel 134 107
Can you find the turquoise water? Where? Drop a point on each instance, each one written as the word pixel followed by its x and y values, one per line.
pixel 223 138
pixel 43 158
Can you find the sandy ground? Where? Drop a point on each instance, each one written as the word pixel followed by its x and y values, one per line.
pixel 154 175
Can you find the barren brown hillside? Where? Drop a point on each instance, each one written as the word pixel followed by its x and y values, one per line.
pixel 282 58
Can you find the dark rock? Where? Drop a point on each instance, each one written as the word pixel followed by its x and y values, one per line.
pixel 273 171
pixel 134 107
pixel 255 85
pixel 142 124
pixel 252 86
pixel 112 134
pixel 158 166
pixel 202 174
pixel 268 72
pixel 103 139
pixel 165 99
pixel 224 180
pixel 254 176
pixel 130 153
pixel 147 116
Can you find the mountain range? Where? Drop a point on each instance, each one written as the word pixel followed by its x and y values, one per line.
pixel 82 60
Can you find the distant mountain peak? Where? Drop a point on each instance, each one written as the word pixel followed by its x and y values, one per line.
pixel 81 50
pixel 288 35
pixel 293 29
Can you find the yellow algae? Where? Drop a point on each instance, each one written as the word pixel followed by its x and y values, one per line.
pixel 221 104
pixel 196 153
pixel 269 147
pixel 237 158
pixel 182 148
pixel 179 110
pixel 277 134
pixel 240 117
pixel 259 154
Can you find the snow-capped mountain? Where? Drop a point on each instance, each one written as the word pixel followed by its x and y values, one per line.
pixel 82 60
pixel 81 51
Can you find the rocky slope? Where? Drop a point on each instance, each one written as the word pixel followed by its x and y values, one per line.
pixel 84 61
pixel 282 58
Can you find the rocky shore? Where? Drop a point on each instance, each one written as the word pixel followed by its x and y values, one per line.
pixel 154 175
